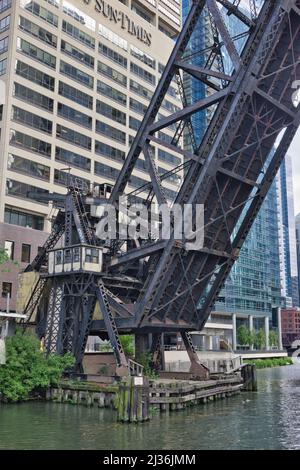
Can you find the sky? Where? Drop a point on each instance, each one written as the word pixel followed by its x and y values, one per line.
pixel 294 151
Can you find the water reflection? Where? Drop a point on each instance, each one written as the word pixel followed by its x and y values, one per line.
pixel 268 419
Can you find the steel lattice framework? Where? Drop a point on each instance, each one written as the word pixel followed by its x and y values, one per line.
pixel 159 286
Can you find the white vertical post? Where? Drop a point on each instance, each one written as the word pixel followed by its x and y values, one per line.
pixel 234 331
pixel 7 302
pixel 267 329
pixel 279 328
pixel 251 329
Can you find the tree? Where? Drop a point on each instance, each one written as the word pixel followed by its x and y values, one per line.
pixel 244 336
pixel 3 256
pixel 273 338
pixel 27 370
pixel 4 259
pixel 127 342
pixel 260 339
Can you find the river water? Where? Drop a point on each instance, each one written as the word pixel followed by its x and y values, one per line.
pixel 268 419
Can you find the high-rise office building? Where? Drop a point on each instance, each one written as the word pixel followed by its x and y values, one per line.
pixel 76 77
pixel 297 226
pixel 288 252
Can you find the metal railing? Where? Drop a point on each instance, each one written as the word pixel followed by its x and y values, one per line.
pixel 135 369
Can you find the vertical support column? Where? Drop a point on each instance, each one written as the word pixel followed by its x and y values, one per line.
pixel 141 345
pixel 197 368
pixel 279 328
pixel 251 328
pixel 55 318
pixel 267 330
pixel 122 364
pixel 234 331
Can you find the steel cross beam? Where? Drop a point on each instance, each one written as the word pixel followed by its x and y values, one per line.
pixel 235 10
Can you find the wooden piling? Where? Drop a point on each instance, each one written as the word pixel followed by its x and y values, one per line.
pixel 249 376
pixel 133 400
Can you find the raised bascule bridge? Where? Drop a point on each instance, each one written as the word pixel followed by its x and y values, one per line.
pixel 88 286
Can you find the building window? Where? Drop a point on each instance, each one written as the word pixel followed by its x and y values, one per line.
pixel 111 112
pixel 23 219
pixel 9 247
pixel 25 254
pixel 34 75
pixel 31 120
pixel 112 55
pixel 62 178
pixel 72 158
pixel 168 157
pixel 77 54
pixel 3 45
pixel 4 24
pixel 112 73
pixel 37 32
pixel 171 178
pixel 172 92
pixel 79 35
pixel 33 97
pixel 6 289
pixel 143 57
pixel 141 12
pixel 40 11
pixel 25 191
pixel 73 137
pixel 110 92
pixel 76 74
pixel 142 73
pixel 75 95
pixel 73 115
pixel 28 167
pixel 169 15
pixel 134 123
pixel 140 90
pixel 3 66
pixel 172 108
pixel 30 143
pixel 137 182
pixel 4 5
pixel 137 107
pixel 79 16
pixel 165 137
pixel 110 132
pixel 54 3
pixel 92 255
pixel 106 171
pixel 109 152
pixel 113 37
pixel 36 53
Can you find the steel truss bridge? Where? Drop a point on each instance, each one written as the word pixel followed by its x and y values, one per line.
pixel 157 286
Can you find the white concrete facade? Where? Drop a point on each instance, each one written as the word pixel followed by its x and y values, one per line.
pixel 76 77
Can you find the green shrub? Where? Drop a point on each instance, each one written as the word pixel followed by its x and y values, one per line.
pixel 3 256
pixel 146 361
pixel 275 362
pixel 127 342
pixel 27 370
pixel 244 336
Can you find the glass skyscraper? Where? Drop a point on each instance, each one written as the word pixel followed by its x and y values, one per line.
pixel 288 252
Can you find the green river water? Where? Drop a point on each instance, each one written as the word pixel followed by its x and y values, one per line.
pixel 268 419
